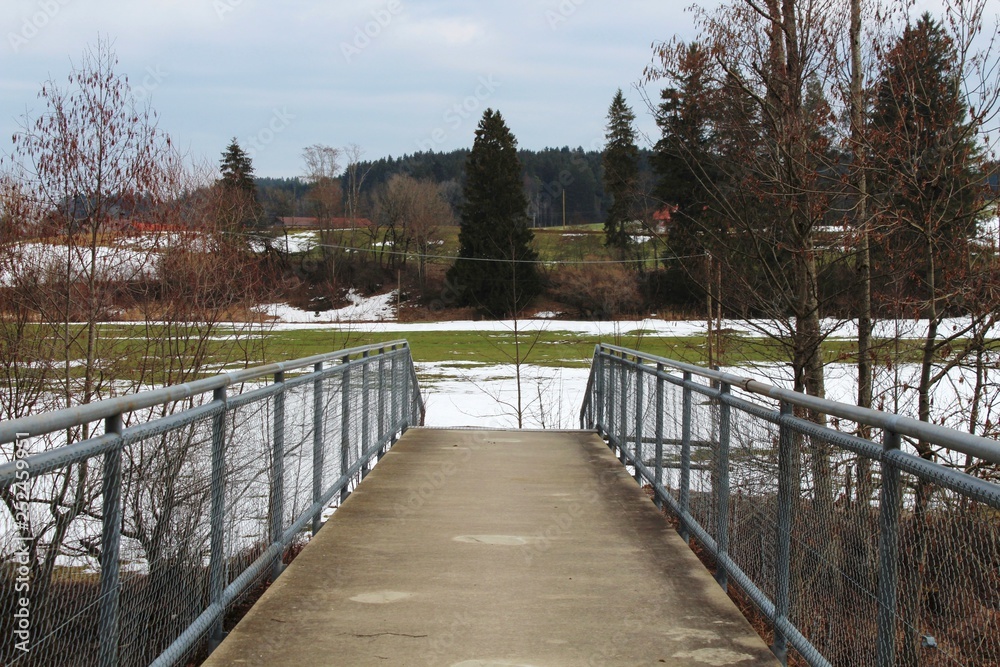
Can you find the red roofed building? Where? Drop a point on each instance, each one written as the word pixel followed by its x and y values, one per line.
pixel 662 218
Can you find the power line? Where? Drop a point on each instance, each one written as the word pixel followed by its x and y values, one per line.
pixel 558 262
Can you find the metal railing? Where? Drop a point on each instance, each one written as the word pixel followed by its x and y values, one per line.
pixel 854 550
pixel 131 546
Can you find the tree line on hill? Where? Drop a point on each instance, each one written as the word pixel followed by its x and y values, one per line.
pixel 546 174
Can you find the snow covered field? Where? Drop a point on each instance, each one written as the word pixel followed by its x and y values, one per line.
pixel 485 395
pixel 377 308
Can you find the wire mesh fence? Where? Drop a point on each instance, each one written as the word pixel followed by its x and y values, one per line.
pixel 853 550
pixel 132 543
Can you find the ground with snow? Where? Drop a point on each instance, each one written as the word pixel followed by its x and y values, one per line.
pixel 473 394
pixel 379 308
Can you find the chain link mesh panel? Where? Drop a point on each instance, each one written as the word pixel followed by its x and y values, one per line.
pixel 114 549
pixel 807 516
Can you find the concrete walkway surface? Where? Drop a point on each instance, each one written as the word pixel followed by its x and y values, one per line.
pixel 495 548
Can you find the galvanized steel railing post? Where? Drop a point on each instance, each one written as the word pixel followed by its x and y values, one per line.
pixel 783 534
pixel 217 555
pixel 278 472
pixel 622 411
pixel 599 390
pixel 639 382
pixel 319 422
pixel 658 479
pixel 610 408
pixel 722 494
pixel 394 421
pixel 345 425
pixel 111 489
pixel 381 402
pixel 888 555
pixel 407 411
pixel 685 481
pixel 365 407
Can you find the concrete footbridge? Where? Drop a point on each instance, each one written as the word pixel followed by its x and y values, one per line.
pixel 301 514
pixel 467 547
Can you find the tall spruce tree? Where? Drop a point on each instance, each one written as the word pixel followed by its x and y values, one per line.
pixel 621 171
pixel 926 166
pixel 685 166
pixel 238 190
pixel 495 271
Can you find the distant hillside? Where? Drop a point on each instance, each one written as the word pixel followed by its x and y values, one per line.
pixel 547 174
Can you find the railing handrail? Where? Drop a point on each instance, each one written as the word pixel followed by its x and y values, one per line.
pixel 966 443
pixel 773 488
pixel 56 420
pixel 229 454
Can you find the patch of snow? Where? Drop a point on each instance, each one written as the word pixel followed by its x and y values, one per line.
pixel 546 315
pixel 372 309
pixel 295 242
pixel 989 233
pixel 485 396
pixel 116 264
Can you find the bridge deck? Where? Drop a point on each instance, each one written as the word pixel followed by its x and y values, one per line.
pixel 495 548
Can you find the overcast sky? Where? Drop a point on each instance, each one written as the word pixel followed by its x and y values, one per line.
pixel 393 76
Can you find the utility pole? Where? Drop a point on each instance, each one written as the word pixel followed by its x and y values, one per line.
pixel 564 206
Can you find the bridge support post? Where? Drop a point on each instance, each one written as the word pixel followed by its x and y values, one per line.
pixel 685 482
pixel 722 494
pixel 345 426
pixel 278 472
pixel 783 546
pixel 111 493
pixel 217 555
pixel 319 420
pixel 658 479
pixel 888 556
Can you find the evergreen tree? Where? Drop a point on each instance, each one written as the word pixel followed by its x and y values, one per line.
pixel 496 269
pixel 621 171
pixel 926 168
pixel 685 162
pixel 238 190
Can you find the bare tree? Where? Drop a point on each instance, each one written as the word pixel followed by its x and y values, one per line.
pixel 407 212
pixel 322 167
pixel 355 179
pixel 88 164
